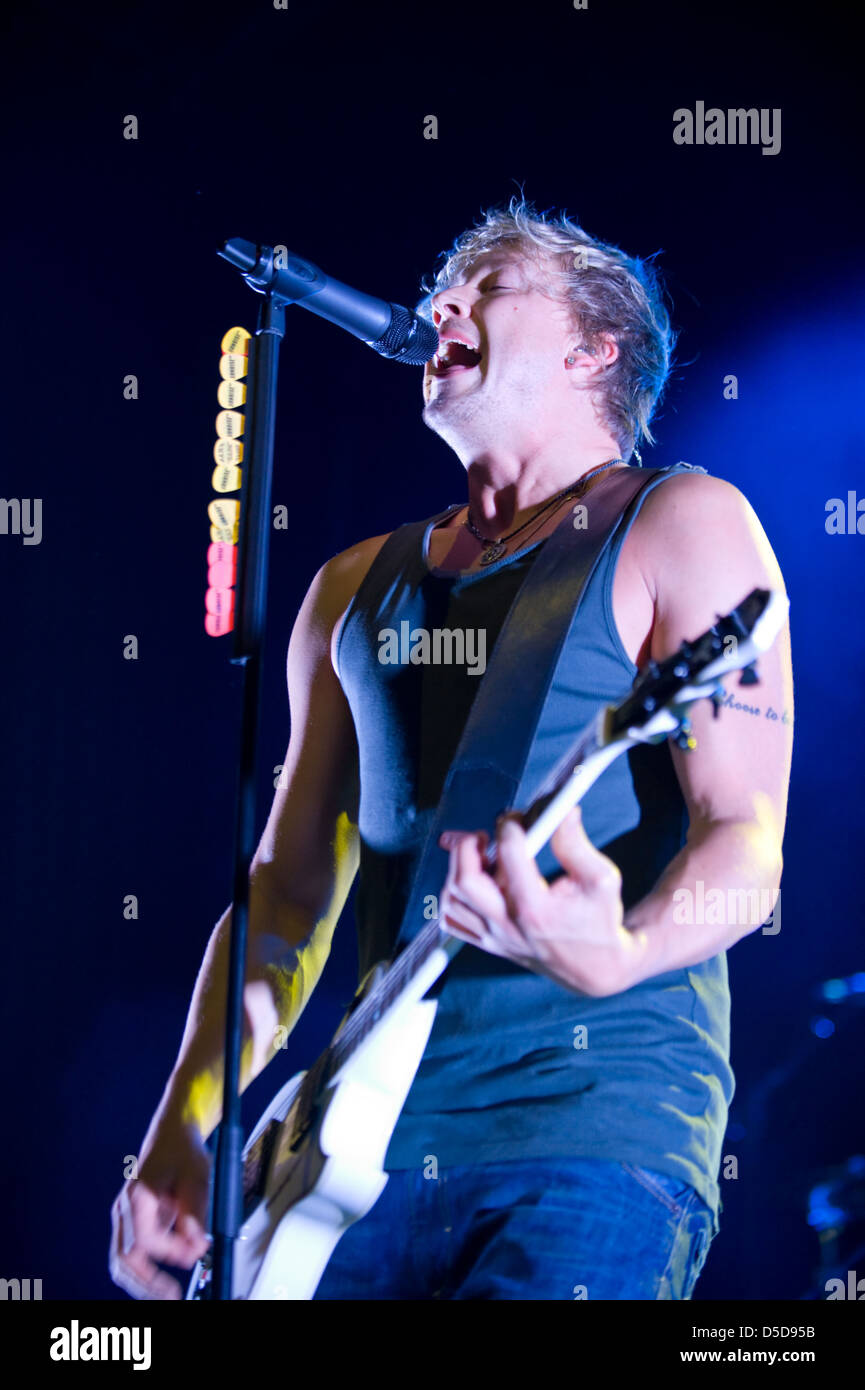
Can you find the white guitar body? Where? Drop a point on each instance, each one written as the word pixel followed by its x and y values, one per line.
pixel 314 1164
pixel 336 1175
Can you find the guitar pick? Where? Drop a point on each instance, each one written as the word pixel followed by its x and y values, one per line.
pixel 223 512
pixel 236 340
pixel 222 576
pixel 232 365
pixel 217 624
pixel 220 601
pixel 228 452
pixel 222 555
pixel 231 394
pixel 229 424
pixel 225 478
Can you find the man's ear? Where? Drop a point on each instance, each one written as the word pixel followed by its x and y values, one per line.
pixel 592 360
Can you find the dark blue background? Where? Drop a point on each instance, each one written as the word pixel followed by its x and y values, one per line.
pixel 306 127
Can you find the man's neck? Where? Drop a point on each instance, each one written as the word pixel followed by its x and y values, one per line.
pixel 505 486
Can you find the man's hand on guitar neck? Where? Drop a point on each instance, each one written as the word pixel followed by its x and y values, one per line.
pixel 570 930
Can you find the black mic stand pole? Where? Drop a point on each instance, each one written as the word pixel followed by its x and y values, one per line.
pixel 250 617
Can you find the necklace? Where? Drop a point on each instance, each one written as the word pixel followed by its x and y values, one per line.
pixel 495 549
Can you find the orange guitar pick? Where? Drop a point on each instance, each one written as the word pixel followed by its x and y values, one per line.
pixel 236 340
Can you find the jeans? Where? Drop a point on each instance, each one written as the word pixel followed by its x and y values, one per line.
pixel 572 1229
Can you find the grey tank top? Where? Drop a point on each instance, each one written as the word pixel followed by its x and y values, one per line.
pixel 517 1066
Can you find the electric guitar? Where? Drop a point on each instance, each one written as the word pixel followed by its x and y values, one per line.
pixel 314 1163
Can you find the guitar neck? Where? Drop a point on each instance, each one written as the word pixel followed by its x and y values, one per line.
pixel 400 974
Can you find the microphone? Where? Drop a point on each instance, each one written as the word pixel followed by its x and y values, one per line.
pixel 390 329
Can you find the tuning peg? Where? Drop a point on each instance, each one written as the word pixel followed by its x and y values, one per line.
pixel 749 675
pixel 684 738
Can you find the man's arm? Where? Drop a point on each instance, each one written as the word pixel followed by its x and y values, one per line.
pixel 700 550
pixel 704 551
pixel 299 880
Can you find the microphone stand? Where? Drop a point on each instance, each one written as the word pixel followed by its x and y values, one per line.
pixel 395 333
pixel 250 617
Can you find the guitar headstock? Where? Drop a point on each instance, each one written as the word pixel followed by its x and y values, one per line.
pixel 663 691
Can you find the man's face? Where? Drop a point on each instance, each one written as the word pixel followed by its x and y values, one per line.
pixel 505 371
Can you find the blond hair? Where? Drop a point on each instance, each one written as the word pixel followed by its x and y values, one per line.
pixel 609 293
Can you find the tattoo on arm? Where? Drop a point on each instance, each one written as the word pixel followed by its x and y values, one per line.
pixel 756 711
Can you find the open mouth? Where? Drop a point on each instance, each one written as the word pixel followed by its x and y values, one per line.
pixel 454 357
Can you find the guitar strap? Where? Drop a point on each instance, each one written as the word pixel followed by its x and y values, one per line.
pixel 492 754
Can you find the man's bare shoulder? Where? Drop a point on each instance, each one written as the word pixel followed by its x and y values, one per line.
pixel 330 594
pixel 698 518
pixel 700 548
pixel 340 578
pixel 690 496
pixel 327 599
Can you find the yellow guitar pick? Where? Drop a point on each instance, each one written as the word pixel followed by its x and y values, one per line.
pixel 225 478
pixel 236 340
pixel 228 452
pixel 231 394
pixel 223 513
pixel 232 365
pixel 229 424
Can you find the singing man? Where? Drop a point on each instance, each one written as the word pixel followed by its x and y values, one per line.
pixel 562 1138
